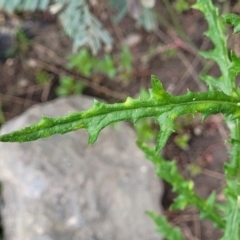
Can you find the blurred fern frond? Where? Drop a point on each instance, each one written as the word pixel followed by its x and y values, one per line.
pixel 77 20
pixel 148 19
pixel 27 5
pixel 81 25
pixel 140 10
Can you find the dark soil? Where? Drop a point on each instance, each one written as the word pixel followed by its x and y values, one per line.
pixel 47 49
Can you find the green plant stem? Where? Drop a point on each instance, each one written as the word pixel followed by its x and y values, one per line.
pixel 237 134
pixel 164 107
pixel 212 215
pixel 167 170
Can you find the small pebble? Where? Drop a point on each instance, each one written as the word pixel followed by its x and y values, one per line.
pixel 132 39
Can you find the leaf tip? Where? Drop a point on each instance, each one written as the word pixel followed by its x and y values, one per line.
pixel 157 90
pixel 97 104
pixel 128 101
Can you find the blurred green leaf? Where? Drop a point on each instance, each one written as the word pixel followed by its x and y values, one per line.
pixel 235 64
pixel 163 226
pixel 83 62
pixel 106 66
pixel 182 5
pixel 181 140
pixel 42 77
pixel 219 53
pixel 68 86
pixel 126 58
pixel 234 20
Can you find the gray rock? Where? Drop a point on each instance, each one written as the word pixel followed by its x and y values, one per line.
pixel 61 188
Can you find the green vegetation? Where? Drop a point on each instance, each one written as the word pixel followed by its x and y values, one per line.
pixel 22 42
pixel 42 77
pixel 84 62
pixel 87 64
pixel 80 24
pixel 68 86
pixel 182 5
pixel 222 97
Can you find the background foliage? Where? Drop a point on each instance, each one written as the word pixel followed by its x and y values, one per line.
pixel 78 21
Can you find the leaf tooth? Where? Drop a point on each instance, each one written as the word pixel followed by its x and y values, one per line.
pixel 46 122
pixel 189 92
pixel 204 116
pixel 234 116
pixel 167 128
pixel 157 90
pixel 211 54
pixel 198 5
pixel 129 101
pixel 134 119
pixel 95 126
pixel 97 104
pixel 92 135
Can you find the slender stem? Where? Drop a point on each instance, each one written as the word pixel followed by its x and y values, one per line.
pixel 213 215
pixel 237 135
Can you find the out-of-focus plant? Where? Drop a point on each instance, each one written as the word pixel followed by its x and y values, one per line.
pixel 23 43
pixel 181 140
pixel 141 10
pixel 68 86
pixel 80 24
pixel 42 77
pixel 77 20
pixel 182 5
pixel 87 64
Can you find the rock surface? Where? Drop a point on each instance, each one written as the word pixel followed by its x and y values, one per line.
pixel 61 189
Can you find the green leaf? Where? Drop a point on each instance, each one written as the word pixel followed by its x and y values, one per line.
pixel 83 62
pixel 234 20
pixel 126 58
pixel 168 171
pixel 106 66
pixel 181 140
pixel 157 90
pixel 232 192
pixel 180 202
pixel 181 5
pixel 232 211
pixel 161 105
pixel 211 203
pixel 166 121
pixel 66 86
pixel 79 87
pixel 163 227
pixel 219 53
pixel 235 64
